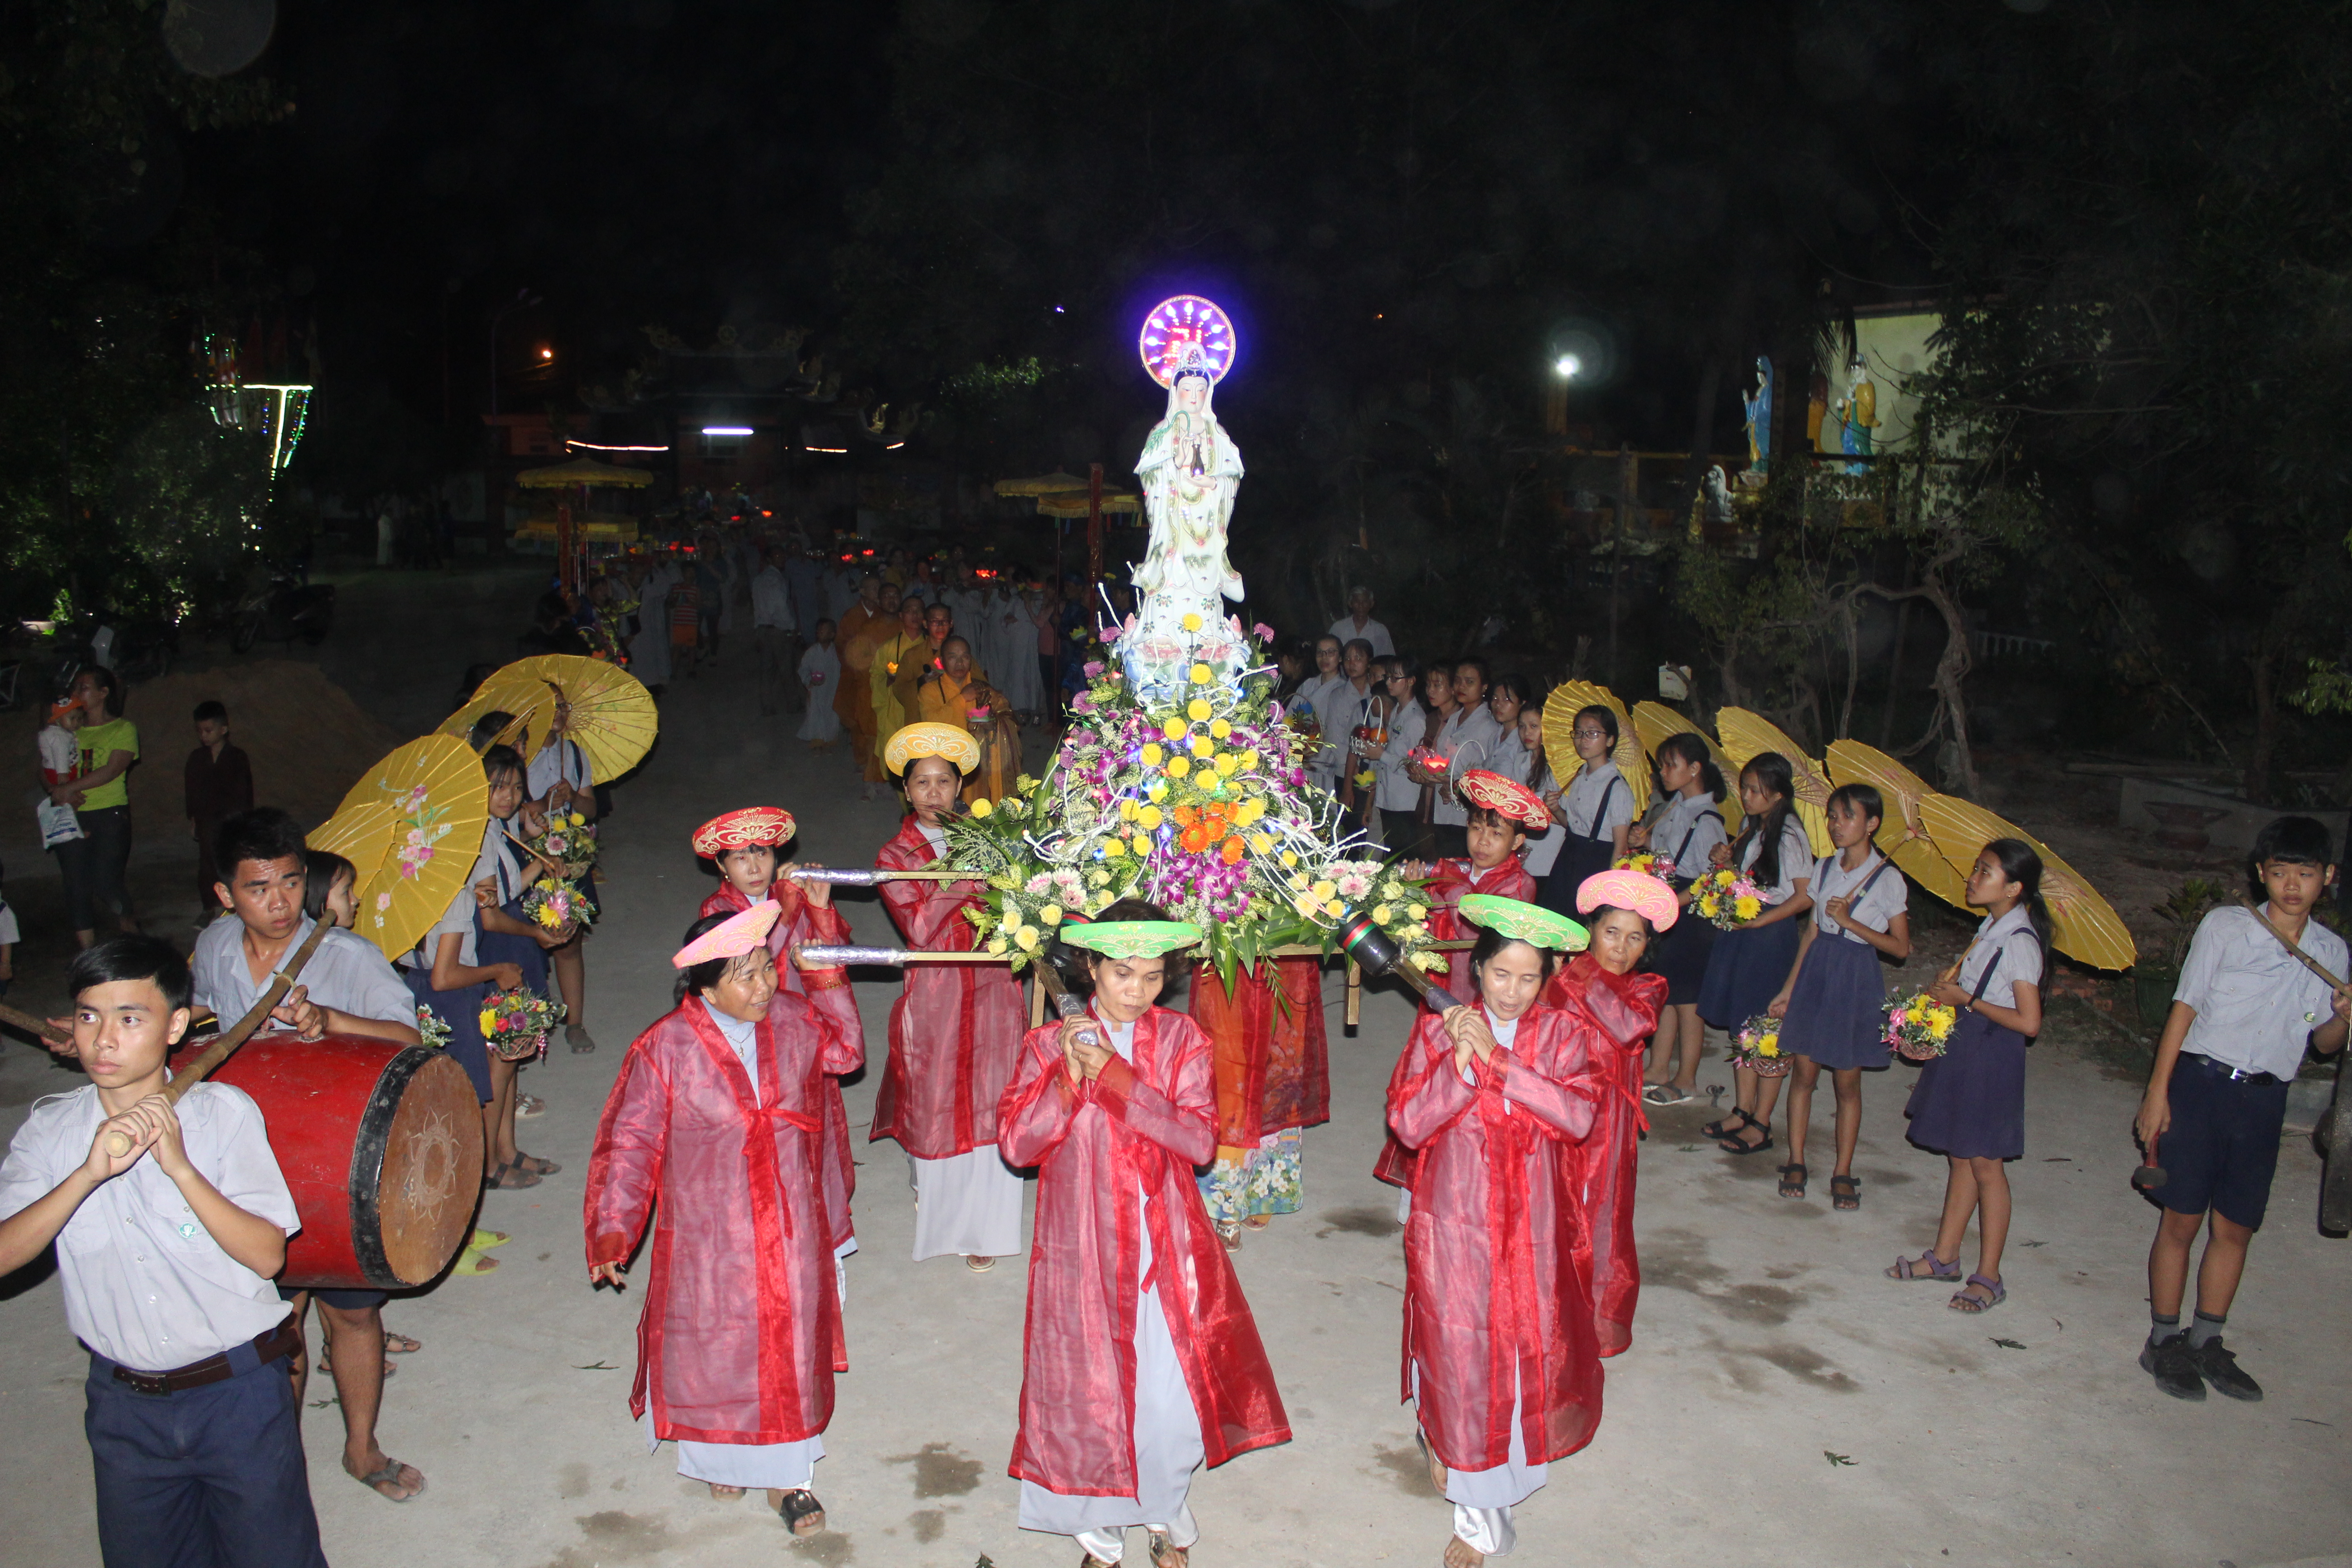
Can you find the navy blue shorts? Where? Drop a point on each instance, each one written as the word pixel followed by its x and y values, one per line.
pixel 2222 1150
pixel 346 1300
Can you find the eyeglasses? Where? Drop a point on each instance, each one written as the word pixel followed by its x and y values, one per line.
pixel 1590 734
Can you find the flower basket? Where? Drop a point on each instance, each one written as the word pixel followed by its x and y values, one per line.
pixel 1726 899
pixel 516 1023
pixel 1756 1045
pixel 1919 1028
pixel 550 905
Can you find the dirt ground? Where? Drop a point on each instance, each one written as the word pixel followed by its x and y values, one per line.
pixel 1782 1402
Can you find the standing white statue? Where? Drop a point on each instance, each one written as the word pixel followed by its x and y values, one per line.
pixel 1191 469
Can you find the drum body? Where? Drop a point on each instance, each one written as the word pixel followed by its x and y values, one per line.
pixel 381 1146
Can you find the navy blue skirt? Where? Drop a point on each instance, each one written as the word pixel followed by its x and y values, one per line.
pixel 1577 858
pixel 1834 1008
pixel 1681 956
pixel 1745 972
pixel 1969 1103
pixel 462 1010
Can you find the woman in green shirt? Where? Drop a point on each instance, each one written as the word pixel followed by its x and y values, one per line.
pixel 102 801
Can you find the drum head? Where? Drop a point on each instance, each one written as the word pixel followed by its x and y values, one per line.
pixel 422 1137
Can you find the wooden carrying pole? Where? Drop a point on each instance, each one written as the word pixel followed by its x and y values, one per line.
pixel 119 1144
pixel 37 1027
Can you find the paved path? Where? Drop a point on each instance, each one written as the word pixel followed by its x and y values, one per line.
pixel 1767 1339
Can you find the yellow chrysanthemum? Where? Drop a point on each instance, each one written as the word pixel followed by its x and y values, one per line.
pixel 1152 754
pixel 1198 710
pixel 578 820
pixel 1127 810
pixel 1249 758
pixel 1226 764
pixel 1200 745
pixel 1191 623
pixel 1114 848
pixel 1175 728
pixel 1260 843
pixel 1220 728
pixel 1746 907
pixel 1179 767
pixel 1290 857
pixel 1250 810
pixel 488 1020
pixel 1148 818
pixel 980 807
pixel 1157 789
pixel 1201 674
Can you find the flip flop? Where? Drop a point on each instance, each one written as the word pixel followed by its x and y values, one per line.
pixel 376 1480
pixel 472 1262
pixel 483 1240
pixel 1666 1094
pixel 402 1344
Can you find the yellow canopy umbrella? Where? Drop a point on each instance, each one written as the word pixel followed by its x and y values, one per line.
pixel 2083 926
pixel 582 471
pixel 1902 834
pixel 1074 503
pixel 1747 735
pixel 1559 737
pixel 1042 485
pixel 613 715
pixel 412 827
pixel 1654 721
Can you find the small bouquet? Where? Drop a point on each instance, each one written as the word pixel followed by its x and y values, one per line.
pixel 1756 1045
pixel 1726 899
pixel 432 1032
pixel 1918 1027
pixel 1433 762
pixel 516 1023
pixel 567 846
pixel 1648 865
pixel 551 904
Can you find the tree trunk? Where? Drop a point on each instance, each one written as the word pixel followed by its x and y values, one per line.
pixel 2259 785
pixel 1951 672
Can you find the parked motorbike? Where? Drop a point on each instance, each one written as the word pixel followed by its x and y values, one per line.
pixel 283 611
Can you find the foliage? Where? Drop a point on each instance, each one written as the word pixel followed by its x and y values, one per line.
pixel 2184 911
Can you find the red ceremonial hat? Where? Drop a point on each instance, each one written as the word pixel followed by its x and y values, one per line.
pixel 754 825
pixel 1516 800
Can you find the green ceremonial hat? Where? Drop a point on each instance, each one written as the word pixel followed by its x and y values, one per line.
pixel 1132 939
pixel 1530 923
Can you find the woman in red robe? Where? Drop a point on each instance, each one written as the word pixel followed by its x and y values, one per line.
pixel 1500 1350
pixel 747 846
pixel 715 1126
pixel 1273 1078
pixel 1618 1009
pixel 955 1031
pixel 1140 1359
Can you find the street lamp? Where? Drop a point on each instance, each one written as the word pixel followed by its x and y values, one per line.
pixel 1566 367
pixel 523 300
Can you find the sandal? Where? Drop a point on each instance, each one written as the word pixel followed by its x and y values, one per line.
pixel 1793 1179
pixel 976 1264
pixel 1164 1552
pixel 723 1494
pixel 1258 1221
pixel 389 1475
pixel 1927 1266
pixel 507 1178
pixel 1845 1192
pixel 1964 1302
pixel 1735 1144
pixel 401 1344
pixel 1230 1234
pixel 801 1513
pixel 1666 1094
pixel 534 1164
pixel 1724 1127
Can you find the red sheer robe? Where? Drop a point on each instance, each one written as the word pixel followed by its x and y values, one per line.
pixel 741 1334
pixel 1115 1156
pixel 1273 1065
pixel 1446 885
pixel 1495 1280
pixel 1616 1014
pixel 955 1031
pixel 803 924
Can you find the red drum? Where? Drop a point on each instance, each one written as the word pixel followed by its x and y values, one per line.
pixel 381 1145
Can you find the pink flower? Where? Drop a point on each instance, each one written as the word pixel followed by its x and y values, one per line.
pixel 1110 634
pixel 1264 633
pixel 1093 668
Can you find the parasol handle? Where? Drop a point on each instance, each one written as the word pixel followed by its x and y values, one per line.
pixel 37 1027
pixel 1065 1003
pixel 818 956
pixel 1378 953
pixel 862 877
pixel 118 1143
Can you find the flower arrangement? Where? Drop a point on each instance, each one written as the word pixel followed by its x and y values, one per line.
pixel 1756 1045
pixel 1918 1027
pixel 551 904
pixel 516 1023
pixel 568 845
pixel 1193 795
pixel 1726 899
pixel 1648 865
pixel 432 1031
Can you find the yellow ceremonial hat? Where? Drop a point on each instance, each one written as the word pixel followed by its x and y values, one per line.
pixel 930 739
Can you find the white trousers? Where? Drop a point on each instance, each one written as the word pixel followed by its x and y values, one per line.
pixel 966 1205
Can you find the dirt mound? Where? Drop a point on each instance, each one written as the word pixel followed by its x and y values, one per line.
pixel 307 740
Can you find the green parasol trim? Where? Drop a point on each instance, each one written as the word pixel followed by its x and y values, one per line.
pixel 1530 923
pixel 1132 939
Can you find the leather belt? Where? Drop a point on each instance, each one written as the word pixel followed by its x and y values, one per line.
pixel 2235 1075
pixel 264 1348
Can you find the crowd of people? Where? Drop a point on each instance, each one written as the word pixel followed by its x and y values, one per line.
pixel 1158 1138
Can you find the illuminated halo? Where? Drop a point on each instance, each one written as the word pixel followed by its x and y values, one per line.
pixel 1176 327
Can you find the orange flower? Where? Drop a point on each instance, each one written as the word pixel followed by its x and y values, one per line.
pixel 1186 815
pixel 1231 853
pixel 1196 838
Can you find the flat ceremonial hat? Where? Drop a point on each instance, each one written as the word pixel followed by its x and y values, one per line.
pixel 1629 890
pixel 740 935
pixel 1521 922
pixel 754 825
pixel 1132 939
pixel 931 739
pixel 1516 800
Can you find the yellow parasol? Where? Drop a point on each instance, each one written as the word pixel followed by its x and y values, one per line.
pixel 1074 503
pixel 582 471
pixel 1042 485
pixel 1747 735
pixel 1654 721
pixel 1902 835
pixel 613 715
pixel 2083 925
pixel 1559 739
pixel 412 827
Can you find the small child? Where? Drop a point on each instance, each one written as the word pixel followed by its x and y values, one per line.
pixel 1968 1104
pixel 820 673
pixel 217 783
pixel 1832 1000
pixel 2242 1016
pixel 191 1419
pixel 1496 834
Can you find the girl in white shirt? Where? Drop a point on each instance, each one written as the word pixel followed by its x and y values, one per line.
pixel 1542 853
pixel 1830 1007
pixel 1687 834
pixel 1598 811
pixel 1748 966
